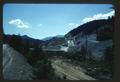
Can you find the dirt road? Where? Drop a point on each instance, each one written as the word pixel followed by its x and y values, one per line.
pixel 72 73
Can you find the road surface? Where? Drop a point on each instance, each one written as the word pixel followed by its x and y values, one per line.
pixel 71 72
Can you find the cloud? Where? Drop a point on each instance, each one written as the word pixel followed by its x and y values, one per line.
pixel 73 25
pixel 76 25
pixel 98 16
pixel 39 25
pixel 19 23
pixel 70 24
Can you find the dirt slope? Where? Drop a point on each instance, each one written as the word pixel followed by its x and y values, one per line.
pixel 15 66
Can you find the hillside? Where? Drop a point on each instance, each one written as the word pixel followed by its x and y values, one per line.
pixel 55 41
pixel 26 39
pixel 15 66
pixel 93 35
pixel 89 27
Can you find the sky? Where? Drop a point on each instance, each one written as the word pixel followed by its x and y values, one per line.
pixel 43 20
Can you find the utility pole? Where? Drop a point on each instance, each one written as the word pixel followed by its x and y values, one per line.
pixel 86 48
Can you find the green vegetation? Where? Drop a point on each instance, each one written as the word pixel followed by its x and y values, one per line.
pixel 105 33
pixel 40 62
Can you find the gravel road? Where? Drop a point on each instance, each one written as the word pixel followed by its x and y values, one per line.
pixel 71 72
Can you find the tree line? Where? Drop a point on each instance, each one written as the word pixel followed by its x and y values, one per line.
pixel 42 68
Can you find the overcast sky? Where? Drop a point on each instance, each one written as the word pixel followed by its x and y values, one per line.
pixel 44 20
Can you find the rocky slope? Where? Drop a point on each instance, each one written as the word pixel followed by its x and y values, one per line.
pixel 95 36
pixel 15 66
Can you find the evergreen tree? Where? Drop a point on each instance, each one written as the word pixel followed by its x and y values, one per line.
pixel 16 42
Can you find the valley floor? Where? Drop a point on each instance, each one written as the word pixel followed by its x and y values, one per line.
pixel 15 67
pixel 63 68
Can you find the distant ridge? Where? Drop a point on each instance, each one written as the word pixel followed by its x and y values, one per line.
pixel 48 38
pixel 26 39
pixel 89 27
